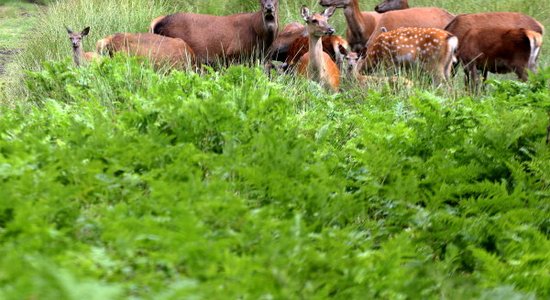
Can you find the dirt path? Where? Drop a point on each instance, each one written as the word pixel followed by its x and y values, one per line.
pixel 6 55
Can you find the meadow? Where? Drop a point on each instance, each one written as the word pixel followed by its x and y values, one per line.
pixel 120 182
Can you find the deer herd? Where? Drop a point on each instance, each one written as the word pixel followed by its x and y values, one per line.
pixel 392 36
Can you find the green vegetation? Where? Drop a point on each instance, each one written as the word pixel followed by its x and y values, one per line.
pixel 126 183
pixel 119 182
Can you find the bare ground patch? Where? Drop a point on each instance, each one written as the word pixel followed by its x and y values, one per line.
pixel 6 56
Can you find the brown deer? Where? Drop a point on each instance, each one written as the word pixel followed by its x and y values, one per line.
pixel 387 5
pixel 334 45
pixel 499 50
pixel 279 48
pixel 471 24
pixel 317 64
pixel 162 51
pixel 227 37
pixel 432 49
pixel 154 23
pixel 421 17
pixel 76 41
pixel 360 24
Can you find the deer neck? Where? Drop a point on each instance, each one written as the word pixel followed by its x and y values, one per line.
pixel 356 21
pixel 315 67
pixel 78 55
pixel 265 29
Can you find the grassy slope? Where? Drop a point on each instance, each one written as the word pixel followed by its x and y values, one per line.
pixel 16 22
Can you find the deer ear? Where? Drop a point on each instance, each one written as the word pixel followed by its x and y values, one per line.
pixel 85 31
pixel 305 13
pixel 329 11
pixel 69 31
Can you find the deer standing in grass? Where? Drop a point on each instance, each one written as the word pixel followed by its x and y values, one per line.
pixel 497 42
pixel 317 64
pixel 228 38
pixel 79 56
pixel 360 24
pixel 431 48
pixel 162 51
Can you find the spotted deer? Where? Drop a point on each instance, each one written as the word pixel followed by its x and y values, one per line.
pixel 317 64
pixel 79 56
pixel 431 49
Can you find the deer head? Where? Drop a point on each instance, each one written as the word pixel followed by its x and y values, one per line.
pixel 317 24
pixel 76 37
pixel 388 5
pixel 270 10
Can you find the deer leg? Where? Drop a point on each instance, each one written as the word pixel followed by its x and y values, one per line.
pixel 522 74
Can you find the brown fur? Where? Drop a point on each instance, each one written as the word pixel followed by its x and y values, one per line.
pixel 431 48
pixel 222 37
pixel 332 45
pixel 387 5
pixel 463 23
pixel 317 64
pixel 160 50
pixel 280 47
pixel 361 25
pixel 154 23
pixel 421 17
pixel 498 50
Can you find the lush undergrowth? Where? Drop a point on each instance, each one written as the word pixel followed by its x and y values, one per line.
pixel 121 182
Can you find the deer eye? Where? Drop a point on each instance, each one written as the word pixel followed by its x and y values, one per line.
pixel 314 21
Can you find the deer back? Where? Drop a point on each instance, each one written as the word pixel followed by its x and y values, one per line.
pixel 332 45
pixel 434 49
pixel 161 50
pixel 213 37
pixel 280 47
pixel 420 17
pixel 464 22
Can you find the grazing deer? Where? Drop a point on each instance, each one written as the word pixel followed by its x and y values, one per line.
pixel 334 45
pixel 231 37
pixel 466 28
pixel 387 5
pixel 78 53
pixel 360 24
pixel 317 64
pixel 499 50
pixel 431 48
pixel 160 50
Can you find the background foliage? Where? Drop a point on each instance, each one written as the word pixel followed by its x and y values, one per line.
pixel 119 182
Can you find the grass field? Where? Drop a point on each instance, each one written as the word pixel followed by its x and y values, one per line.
pixel 119 182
